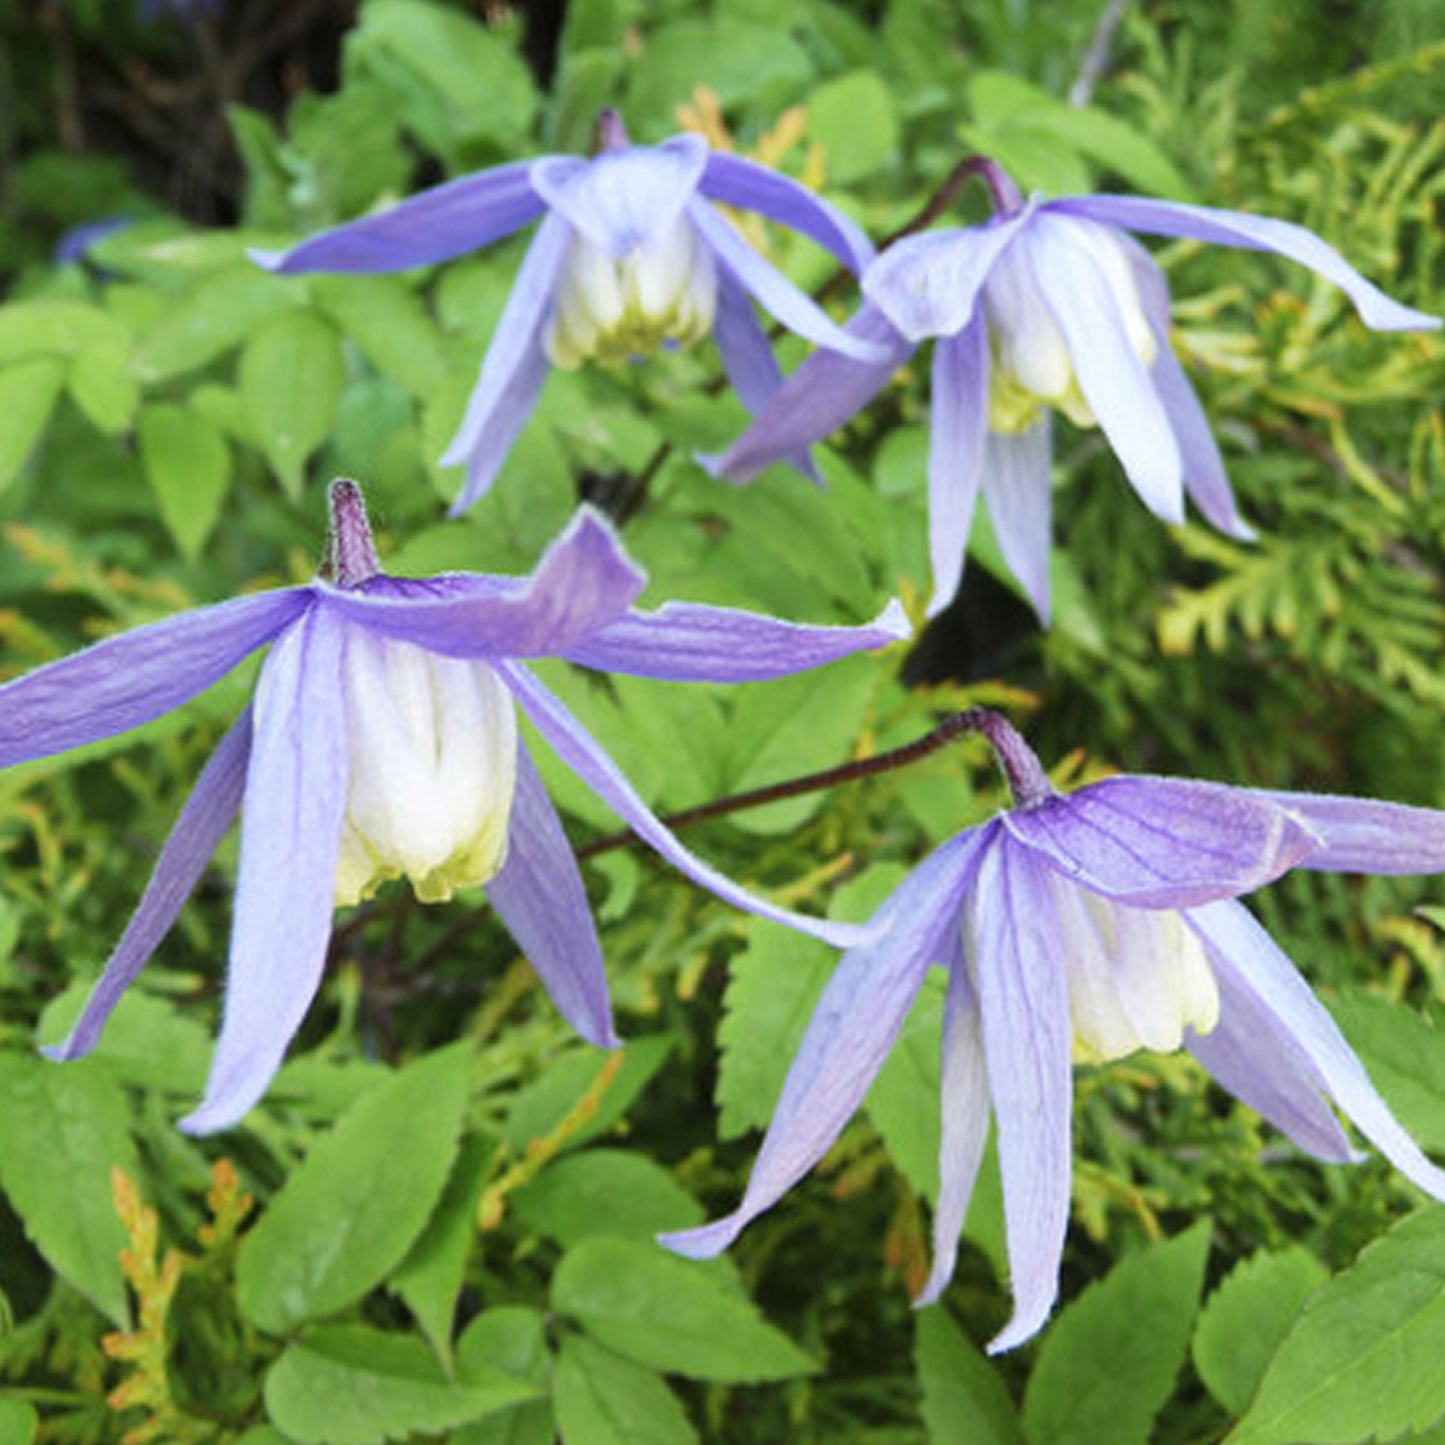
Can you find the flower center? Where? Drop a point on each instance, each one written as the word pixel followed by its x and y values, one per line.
pixel 613 308
pixel 432 769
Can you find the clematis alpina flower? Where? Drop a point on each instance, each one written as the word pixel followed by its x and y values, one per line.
pixel 1084 927
pixel 1048 306
pixel 630 255
pixel 382 742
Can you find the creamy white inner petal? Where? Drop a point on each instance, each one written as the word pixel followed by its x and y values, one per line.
pixel 432 768
pixel 1031 367
pixel 613 308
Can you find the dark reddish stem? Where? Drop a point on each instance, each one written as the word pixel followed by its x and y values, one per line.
pixel 350 553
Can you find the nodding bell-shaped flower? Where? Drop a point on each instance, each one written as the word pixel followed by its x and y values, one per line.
pixel 631 254
pixel 1084 927
pixel 1050 305
pixel 382 742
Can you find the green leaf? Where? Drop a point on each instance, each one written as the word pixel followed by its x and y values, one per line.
pixel 602 1399
pixel 903 1102
pixel 213 316
pixel 662 1311
pixel 1404 1053
pixel 66 1129
pixel 854 118
pixel 383 316
pixel 353 1385
pixel 347 1217
pixel 188 465
pixel 18 1422
pixel 28 393
pixel 1245 1319
pixel 513 1339
pixel 964 1400
pixel 103 387
pixel 1363 1360
pixel 291 377
pixel 56 328
pixel 605 1192
pixel 1109 1360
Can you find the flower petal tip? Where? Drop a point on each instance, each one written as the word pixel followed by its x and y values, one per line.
pixel 894 621
pixel 704 1242
pixel 267 260
pixel 715 464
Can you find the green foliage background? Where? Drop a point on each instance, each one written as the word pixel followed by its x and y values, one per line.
pixel 454 1199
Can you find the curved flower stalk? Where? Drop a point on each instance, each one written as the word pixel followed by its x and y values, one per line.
pixel 631 255
pixel 1048 306
pixel 1084 927
pixel 381 743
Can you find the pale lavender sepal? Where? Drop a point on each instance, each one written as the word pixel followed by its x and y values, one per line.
pixel 1361 835
pixel 124 681
pixel 581 752
pixel 513 369
pixel 1251 1055
pixel 1253 233
pixel 1109 372
pixel 583 582
pixel 930 284
pixel 1024 999
pixel 1018 490
pixel 618 199
pixel 855 1024
pixel 772 290
pixel 540 897
pixel 1242 949
pixel 746 185
pixel 439 224
pixel 955 454
pixel 693 642
pixel 1163 842
pixel 203 822
pixel 290 838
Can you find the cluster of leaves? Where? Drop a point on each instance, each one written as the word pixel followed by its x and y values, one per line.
pixel 454 1201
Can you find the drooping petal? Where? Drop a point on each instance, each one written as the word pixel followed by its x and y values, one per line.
pixel 1109 372
pixel 958 426
pixel 929 285
pixel 855 1024
pixel 207 814
pixel 124 681
pixel 512 370
pixel 1242 951
pixel 822 394
pixel 1361 835
pixel 540 897
pixel 581 752
pixel 1164 842
pixel 773 291
pixel 583 582
pixel 749 186
pixel 965 1106
pixel 446 221
pixel 291 830
pixel 692 642
pixel 619 198
pixel 1018 490
pixel 1253 233
pixel 1010 937
pixel 1253 1056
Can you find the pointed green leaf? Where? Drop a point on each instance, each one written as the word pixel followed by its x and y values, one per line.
pixel 605 1192
pixel 18 1422
pixel 602 1399
pixel 103 387
pixel 188 465
pixel 28 393
pixel 513 1339
pixel 964 1400
pixel 212 317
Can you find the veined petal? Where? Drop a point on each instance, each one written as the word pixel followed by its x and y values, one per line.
pixel 1018 490
pixel 540 897
pixel 748 186
pixel 619 198
pixel 1010 938
pixel 1253 233
pixel 581 752
pixel 1164 842
pixel 773 291
pixel 209 810
pixel 1245 953
pixel 1110 374
pixel 512 370
pixel 446 221
pixel 583 582
pixel 929 285
pixel 959 424
pixel 1361 835
pixel 856 1023
pixel 692 642
pixel 822 394
pixel 290 837
pixel 124 681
